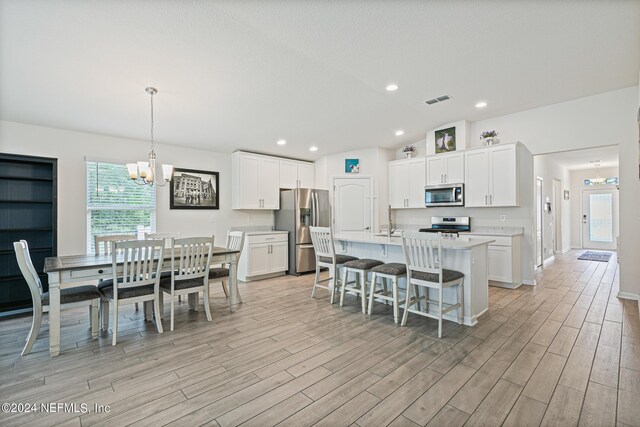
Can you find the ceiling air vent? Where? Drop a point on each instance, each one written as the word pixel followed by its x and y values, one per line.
pixel 437 99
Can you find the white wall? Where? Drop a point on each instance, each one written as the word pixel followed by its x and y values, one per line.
pixel 577 185
pixel 548 169
pixel 373 162
pixel 70 148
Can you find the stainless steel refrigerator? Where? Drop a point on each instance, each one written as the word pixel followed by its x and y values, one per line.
pixel 300 209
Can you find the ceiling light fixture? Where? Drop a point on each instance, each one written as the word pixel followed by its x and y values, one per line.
pixel 281 142
pixel 144 173
pixel 391 87
pixel 313 148
pixel 481 104
pixel 399 132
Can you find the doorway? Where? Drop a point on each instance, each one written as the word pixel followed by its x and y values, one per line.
pixel 539 222
pixel 556 216
pixel 352 205
pixel 599 218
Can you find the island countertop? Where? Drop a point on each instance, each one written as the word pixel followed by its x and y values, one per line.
pixel 447 242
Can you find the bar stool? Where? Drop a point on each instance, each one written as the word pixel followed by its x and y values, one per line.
pixel 361 269
pixel 423 253
pixel 391 271
pixel 322 238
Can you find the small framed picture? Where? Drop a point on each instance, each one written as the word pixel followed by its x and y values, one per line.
pixel 352 166
pixel 445 140
pixel 566 194
pixel 194 189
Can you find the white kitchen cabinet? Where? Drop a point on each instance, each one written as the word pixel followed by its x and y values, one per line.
pixel 406 183
pixel 263 256
pixel 445 169
pixel 491 176
pixel 295 174
pixel 255 181
pixel 504 258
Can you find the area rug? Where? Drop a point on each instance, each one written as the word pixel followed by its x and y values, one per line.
pixel 595 256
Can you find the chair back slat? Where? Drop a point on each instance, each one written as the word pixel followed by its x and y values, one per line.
pixel 422 252
pixel 104 244
pixel 235 240
pixel 166 236
pixel 142 263
pixel 29 272
pixel 322 238
pixel 193 257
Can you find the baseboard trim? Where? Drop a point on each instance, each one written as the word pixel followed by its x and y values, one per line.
pixel 628 295
pixel 548 260
pixel 564 251
pixel 529 282
pixel 576 247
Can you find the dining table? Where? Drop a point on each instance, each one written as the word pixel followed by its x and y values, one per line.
pixel 75 270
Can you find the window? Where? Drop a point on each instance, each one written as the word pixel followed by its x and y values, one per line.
pixel 117 205
pixel 601 181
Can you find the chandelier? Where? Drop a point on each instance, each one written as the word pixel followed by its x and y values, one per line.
pixel 144 172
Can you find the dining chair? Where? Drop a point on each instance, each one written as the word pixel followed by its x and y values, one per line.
pixel 103 245
pixel 190 263
pixel 323 245
pixel 423 255
pixel 235 241
pixel 75 296
pixel 139 280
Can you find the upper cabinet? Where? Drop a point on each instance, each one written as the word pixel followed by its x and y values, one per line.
pixel 445 169
pixel 406 183
pixel 295 174
pixel 255 181
pixel 491 176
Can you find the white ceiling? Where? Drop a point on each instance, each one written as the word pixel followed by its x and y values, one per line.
pixel 243 74
pixel 580 159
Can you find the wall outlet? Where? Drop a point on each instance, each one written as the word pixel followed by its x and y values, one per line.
pixel 212 219
pixel 249 219
pixel 503 218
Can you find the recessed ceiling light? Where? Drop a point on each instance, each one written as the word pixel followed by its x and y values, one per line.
pixel 399 132
pixel 313 148
pixel 391 87
pixel 481 104
pixel 281 142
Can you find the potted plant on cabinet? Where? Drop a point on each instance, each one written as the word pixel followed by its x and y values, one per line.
pixel 409 150
pixel 489 137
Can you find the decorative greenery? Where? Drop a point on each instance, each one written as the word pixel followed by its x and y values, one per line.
pixel 488 134
pixel 411 148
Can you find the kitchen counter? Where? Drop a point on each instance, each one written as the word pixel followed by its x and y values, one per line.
pixel 262 233
pixel 496 231
pixel 447 242
pixel 468 255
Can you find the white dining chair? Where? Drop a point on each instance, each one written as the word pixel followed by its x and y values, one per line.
pixel 139 281
pixel 190 263
pixel 75 296
pixel 423 255
pixel 235 241
pixel 323 245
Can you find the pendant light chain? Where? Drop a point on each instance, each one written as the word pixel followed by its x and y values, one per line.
pixel 152 138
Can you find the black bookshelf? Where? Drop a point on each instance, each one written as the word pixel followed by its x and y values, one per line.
pixel 28 210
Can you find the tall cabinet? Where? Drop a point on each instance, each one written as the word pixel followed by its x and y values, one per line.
pixel 256 181
pixel 491 176
pixel 28 211
pixel 406 183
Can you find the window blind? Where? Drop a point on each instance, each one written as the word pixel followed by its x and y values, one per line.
pixel 115 204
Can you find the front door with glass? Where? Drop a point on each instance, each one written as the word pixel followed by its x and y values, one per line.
pixel 599 218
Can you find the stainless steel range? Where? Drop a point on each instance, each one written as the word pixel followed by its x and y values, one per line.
pixel 448 225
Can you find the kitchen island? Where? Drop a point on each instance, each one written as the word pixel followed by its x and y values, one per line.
pixel 465 254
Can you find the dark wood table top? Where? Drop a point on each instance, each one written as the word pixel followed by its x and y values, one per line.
pixel 69 262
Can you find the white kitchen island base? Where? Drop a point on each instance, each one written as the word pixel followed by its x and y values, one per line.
pixel 467 255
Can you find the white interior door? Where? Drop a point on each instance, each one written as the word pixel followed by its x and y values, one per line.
pixel 599 218
pixel 352 205
pixel 539 222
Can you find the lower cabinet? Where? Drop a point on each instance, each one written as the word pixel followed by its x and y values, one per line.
pixel 263 256
pixel 504 261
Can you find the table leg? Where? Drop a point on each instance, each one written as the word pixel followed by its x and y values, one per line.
pixel 233 282
pixel 54 314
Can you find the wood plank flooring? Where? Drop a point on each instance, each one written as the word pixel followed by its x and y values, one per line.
pixel 565 352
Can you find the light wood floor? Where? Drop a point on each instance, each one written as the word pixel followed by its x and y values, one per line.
pixel 563 353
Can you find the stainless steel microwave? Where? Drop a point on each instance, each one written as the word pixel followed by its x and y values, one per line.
pixel 444 195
